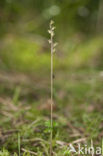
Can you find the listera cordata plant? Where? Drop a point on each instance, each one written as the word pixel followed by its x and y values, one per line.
pixel 52 49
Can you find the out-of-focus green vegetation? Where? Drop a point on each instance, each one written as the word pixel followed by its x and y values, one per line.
pixel 23 54
pixel 23 29
pixel 69 15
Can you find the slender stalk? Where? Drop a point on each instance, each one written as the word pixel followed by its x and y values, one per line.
pixel 52 48
pixel 19 144
pixel 51 135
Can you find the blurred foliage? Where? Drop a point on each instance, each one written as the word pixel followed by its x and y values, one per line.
pixel 23 32
pixel 72 14
pixel 26 55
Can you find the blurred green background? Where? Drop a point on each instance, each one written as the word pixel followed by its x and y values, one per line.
pixel 23 34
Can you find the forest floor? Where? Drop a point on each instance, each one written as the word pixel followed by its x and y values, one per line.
pixel 25 112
